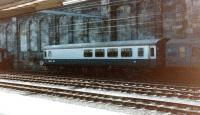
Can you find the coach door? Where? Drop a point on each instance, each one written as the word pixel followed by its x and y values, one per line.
pixel 182 55
pixel 195 57
pixel 1 56
pixel 152 52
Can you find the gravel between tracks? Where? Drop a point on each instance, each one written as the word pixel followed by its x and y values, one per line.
pixel 114 93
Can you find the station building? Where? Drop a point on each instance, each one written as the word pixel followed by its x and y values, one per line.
pixel 24 31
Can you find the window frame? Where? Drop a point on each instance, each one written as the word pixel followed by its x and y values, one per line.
pixel 100 51
pixel 49 54
pixel 124 52
pixel 195 51
pixel 1 56
pixel 5 54
pixel 45 54
pixel 152 51
pixel 111 51
pixel 182 52
pixel 89 51
pixel 139 52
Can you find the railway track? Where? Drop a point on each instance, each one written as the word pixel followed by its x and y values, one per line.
pixel 167 107
pixel 138 88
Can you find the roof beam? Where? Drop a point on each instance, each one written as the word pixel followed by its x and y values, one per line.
pixel 30 8
pixel 68 13
pixel 68 2
pixel 49 4
pixel 11 3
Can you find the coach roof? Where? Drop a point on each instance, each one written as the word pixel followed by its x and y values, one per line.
pixel 105 44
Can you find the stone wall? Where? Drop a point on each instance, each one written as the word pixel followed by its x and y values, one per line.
pixel 25 36
pixel 181 19
pixel 193 18
pixel 141 19
pixel 174 19
pixel 8 35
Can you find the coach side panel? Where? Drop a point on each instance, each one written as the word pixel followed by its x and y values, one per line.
pixel 134 55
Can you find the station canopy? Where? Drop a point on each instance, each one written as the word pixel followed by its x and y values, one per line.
pixel 10 8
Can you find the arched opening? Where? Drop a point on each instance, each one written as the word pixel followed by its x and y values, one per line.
pixel 44 33
pixel 33 34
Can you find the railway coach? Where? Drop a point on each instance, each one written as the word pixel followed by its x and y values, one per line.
pixel 183 54
pixel 132 53
pixel 6 60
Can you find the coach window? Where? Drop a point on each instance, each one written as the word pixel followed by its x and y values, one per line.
pixel 88 53
pixel 49 53
pixel 112 52
pixel 99 53
pixel 45 54
pixel 140 52
pixel 195 52
pixel 126 52
pixel 1 57
pixel 5 54
pixel 182 52
pixel 152 52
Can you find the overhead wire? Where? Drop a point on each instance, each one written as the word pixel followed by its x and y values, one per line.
pixel 102 22
pixel 100 6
